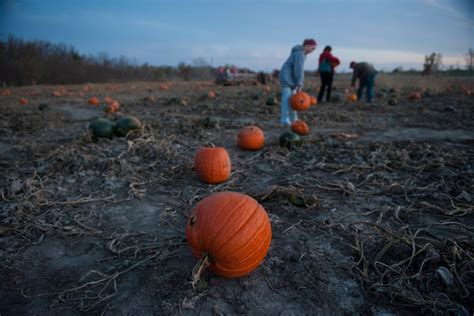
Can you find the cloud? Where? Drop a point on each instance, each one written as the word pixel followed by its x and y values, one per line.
pixel 449 11
pixel 269 57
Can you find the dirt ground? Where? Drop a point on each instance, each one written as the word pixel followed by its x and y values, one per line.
pixel 384 223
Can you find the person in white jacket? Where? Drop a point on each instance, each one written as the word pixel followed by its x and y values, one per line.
pixel 292 78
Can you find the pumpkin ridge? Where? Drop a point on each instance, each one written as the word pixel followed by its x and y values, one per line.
pixel 203 243
pixel 247 263
pixel 226 165
pixel 209 245
pixel 258 232
pixel 238 230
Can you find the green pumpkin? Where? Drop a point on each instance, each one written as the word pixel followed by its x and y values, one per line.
pixel 381 95
pixel 336 98
pixel 126 124
pixel 393 101
pixel 290 140
pixel 209 122
pixel 272 101
pixel 102 128
pixel 256 96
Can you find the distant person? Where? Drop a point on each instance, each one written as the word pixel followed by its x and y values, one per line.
pixel 292 78
pixel 327 64
pixel 366 74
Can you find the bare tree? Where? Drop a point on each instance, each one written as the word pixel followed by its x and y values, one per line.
pixel 200 62
pixel 470 59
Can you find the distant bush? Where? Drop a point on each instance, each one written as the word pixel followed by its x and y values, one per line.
pixel 25 62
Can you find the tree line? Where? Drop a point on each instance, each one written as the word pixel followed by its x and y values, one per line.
pixel 26 62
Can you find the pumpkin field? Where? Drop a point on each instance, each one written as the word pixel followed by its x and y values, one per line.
pixel 370 205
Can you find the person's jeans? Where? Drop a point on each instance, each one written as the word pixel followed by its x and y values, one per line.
pixel 287 114
pixel 326 82
pixel 367 82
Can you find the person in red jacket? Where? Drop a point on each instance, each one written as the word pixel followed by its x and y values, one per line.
pixel 327 63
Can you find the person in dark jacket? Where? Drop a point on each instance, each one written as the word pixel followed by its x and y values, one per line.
pixel 327 63
pixel 366 73
pixel 292 78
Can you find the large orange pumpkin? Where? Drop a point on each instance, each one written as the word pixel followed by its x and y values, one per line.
pixel 313 100
pixel 300 101
pixel 212 164
pixel 300 127
pixel 251 138
pixel 230 233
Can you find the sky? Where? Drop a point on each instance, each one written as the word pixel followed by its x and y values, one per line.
pixel 257 34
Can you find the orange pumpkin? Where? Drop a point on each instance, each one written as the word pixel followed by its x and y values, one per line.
pixel 230 233
pixel 56 93
pixel 313 100
pixel 300 127
pixel 87 88
pixel 251 138
pixel 112 107
pixel 414 96
pixel 164 87
pixel 6 92
pixel 211 94
pixel 300 101
pixel 94 101
pixel 23 101
pixel 212 164
pixel 108 100
pixel 352 97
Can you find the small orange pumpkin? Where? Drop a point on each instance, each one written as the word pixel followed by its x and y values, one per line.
pixel 112 107
pixel 87 88
pixel 313 100
pixel 23 101
pixel 300 101
pixel 6 92
pixel 164 87
pixel 212 164
pixel 300 127
pixel 251 138
pixel 211 94
pixel 94 101
pixel 56 93
pixel 230 233
pixel 414 96
pixel 108 100
pixel 352 97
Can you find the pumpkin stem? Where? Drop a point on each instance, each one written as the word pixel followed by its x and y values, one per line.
pixel 200 266
pixel 211 145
